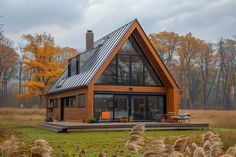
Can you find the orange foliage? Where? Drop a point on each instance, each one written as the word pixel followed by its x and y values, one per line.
pixel 165 44
pixel 39 58
pixel 67 52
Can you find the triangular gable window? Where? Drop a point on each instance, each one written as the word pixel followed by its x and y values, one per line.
pixel 130 67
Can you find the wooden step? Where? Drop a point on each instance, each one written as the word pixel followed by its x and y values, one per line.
pixel 72 126
pixel 53 127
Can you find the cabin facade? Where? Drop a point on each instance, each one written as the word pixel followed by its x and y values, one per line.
pixel 120 75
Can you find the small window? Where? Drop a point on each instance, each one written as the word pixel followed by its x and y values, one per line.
pixel 69 70
pixel 53 103
pixel 77 67
pixel 81 100
pixel 69 101
pixel 60 84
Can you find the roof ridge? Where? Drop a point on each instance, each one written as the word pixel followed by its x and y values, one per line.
pixel 115 30
pixel 103 48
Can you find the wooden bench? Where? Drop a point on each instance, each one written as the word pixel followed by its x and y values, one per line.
pixel 178 118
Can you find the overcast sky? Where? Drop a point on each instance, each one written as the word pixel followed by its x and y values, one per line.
pixel 68 20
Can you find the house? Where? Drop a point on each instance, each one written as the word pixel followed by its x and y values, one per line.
pixel 119 75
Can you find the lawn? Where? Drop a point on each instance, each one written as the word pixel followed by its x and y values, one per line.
pixel 65 144
pixel 93 142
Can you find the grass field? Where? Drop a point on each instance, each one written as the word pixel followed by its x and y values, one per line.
pixel 215 118
pixel 14 114
pixel 112 142
pixel 23 124
pixel 94 142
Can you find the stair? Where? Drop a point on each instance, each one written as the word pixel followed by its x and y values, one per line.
pixel 62 127
pixel 52 127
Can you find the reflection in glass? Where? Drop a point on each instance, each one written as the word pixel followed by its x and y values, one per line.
pixel 121 107
pixel 138 109
pixel 137 71
pixel 155 106
pixel 135 107
pixel 102 103
pixel 131 68
pixel 123 69
pixel 109 75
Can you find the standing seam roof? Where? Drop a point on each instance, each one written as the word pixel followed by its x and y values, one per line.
pixel 103 49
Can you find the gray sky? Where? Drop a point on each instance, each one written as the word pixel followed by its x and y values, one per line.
pixel 68 20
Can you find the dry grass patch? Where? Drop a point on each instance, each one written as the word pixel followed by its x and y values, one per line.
pixel 215 118
pixel 22 114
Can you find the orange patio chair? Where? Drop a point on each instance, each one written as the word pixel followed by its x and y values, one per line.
pixel 105 116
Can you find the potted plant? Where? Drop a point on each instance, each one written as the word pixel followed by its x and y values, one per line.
pixel 92 120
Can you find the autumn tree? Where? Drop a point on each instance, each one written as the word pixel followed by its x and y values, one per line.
pixel 40 62
pixel 66 53
pixel 166 44
pixel 225 87
pixel 206 61
pixel 8 67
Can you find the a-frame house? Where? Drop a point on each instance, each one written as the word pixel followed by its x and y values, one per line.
pixel 119 77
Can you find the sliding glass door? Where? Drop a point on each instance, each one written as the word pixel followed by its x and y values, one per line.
pixel 133 106
pixel 121 107
pixel 138 107
pixel 155 106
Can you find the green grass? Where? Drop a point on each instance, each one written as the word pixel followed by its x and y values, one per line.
pixel 93 142
pixel 112 142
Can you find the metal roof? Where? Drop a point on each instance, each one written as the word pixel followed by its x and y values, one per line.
pixel 102 50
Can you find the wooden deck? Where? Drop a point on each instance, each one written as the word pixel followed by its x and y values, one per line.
pixel 70 126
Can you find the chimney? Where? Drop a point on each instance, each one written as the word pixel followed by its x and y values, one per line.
pixel 89 39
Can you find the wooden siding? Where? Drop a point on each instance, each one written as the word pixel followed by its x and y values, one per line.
pixel 170 86
pixel 170 89
pixel 110 88
pixel 71 113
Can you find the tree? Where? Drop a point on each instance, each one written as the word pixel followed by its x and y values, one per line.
pixel 66 53
pixel 206 60
pixel 166 44
pixel 8 62
pixel 39 60
pixel 225 85
pixel 187 50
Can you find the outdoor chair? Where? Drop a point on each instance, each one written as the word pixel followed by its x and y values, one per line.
pixel 180 117
pixel 105 117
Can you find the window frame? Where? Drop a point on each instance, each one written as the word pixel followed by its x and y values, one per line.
pixel 67 101
pixel 54 103
pixel 78 104
pixel 145 61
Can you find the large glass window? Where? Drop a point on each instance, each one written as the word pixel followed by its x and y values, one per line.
pixel 151 79
pixel 121 107
pixel 103 103
pixel 138 107
pixel 133 107
pixel 123 69
pixel 137 75
pixel 130 67
pixel 109 75
pixel 155 106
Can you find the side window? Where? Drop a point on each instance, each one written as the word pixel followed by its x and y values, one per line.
pixel 69 70
pixel 69 101
pixel 81 100
pixel 54 103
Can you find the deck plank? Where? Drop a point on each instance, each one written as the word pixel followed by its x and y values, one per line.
pixel 72 126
